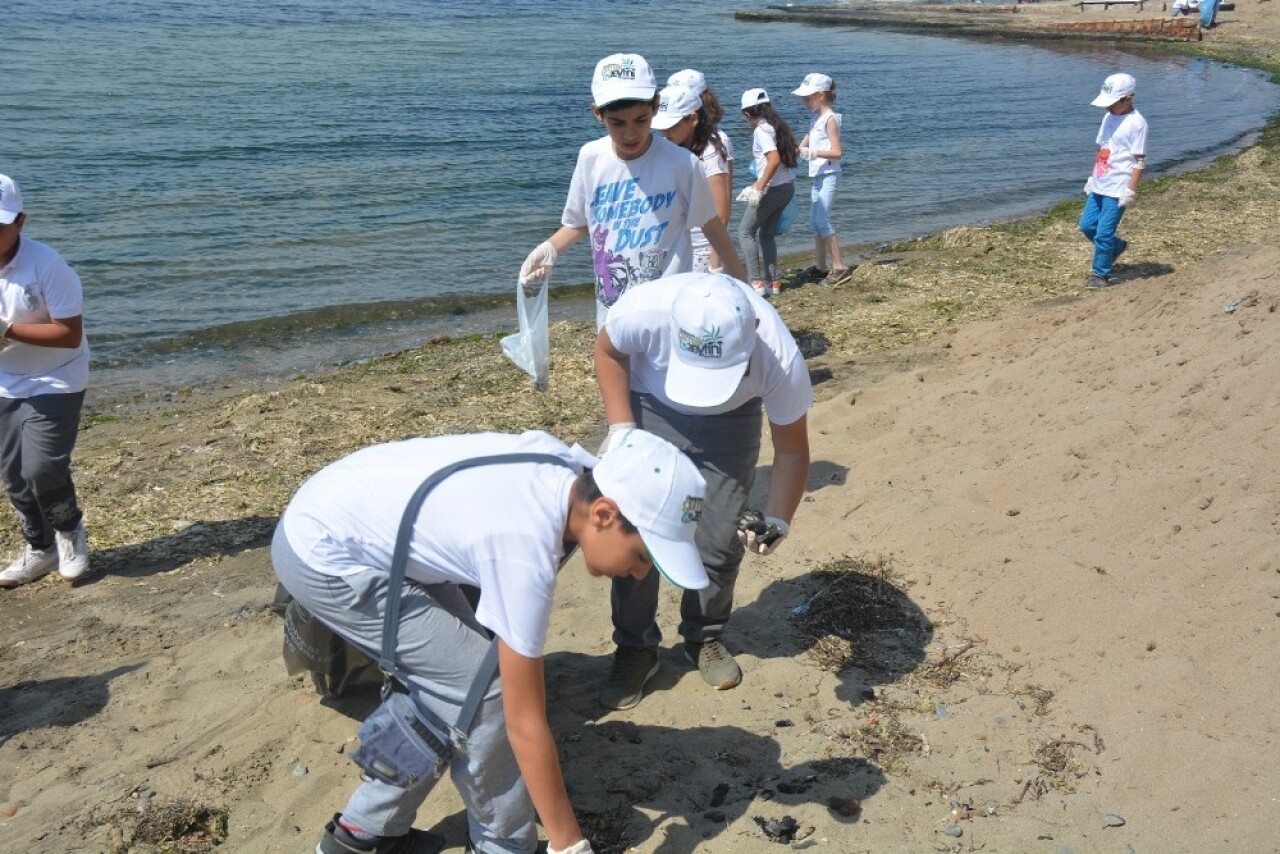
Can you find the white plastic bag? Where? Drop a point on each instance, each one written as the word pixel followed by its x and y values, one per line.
pixel 530 347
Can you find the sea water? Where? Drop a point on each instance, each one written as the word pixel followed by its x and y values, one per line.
pixel 250 187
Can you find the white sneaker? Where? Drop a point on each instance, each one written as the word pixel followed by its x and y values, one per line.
pixel 32 564
pixel 73 553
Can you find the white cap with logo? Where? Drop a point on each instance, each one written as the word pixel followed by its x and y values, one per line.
pixel 674 103
pixel 713 333
pixel 660 491
pixel 10 200
pixel 812 84
pixel 689 79
pixel 754 97
pixel 622 77
pixel 1114 88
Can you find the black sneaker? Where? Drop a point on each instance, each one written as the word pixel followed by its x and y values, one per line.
pixel 337 840
pixel 633 667
pixel 1097 282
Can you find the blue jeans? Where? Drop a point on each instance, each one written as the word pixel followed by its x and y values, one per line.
pixel 1099 221
pixel 440 645
pixel 821 197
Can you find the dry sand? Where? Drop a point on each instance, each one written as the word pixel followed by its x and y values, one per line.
pixel 1065 518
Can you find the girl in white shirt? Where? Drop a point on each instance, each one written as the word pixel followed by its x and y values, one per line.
pixel 774 152
pixel 821 147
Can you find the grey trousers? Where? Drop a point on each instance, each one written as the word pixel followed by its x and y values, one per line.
pixel 756 236
pixel 725 448
pixel 440 645
pixel 37 435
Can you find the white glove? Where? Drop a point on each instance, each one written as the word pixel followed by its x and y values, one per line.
pixel 5 340
pixel 580 847
pixel 1127 196
pixel 1086 189
pixel 750 195
pixel 805 153
pixel 761 534
pixel 617 432
pixel 539 263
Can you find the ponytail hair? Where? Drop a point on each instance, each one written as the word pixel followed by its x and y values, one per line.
pixel 788 149
pixel 704 134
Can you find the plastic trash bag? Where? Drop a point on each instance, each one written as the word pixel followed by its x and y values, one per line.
pixel 337 668
pixel 787 216
pixel 530 348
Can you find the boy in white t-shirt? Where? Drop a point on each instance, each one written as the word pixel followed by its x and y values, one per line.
pixel 499 530
pixel 1113 184
pixel 633 194
pixel 699 358
pixel 44 369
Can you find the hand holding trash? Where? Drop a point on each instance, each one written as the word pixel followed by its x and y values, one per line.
pixel 1127 196
pixel 760 533
pixel 751 196
pixel 617 432
pixel 539 263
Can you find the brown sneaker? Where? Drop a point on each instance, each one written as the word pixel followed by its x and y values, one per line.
pixel 633 667
pixel 714 663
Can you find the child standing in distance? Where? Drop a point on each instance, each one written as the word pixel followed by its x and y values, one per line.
pixel 821 147
pixel 1113 184
pixel 683 119
pixel 635 195
pixel 691 78
pixel 774 152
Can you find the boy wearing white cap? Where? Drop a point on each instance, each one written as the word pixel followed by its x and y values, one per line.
pixel 698 358
pixel 1117 168
pixel 634 195
pixel 500 529
pixel 44 369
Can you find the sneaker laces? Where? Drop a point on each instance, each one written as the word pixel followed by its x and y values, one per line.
pixel 624 661
pixel 714 652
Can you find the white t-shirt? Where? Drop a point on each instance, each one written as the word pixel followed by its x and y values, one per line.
pixel 820 141
pixel 640 326
pixel 763 140
pixel 1120 140
pixel 637 213
pixel 497 527
pixel 35 287
pixel 712 164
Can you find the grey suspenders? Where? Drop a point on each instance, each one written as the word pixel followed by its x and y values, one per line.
pixel 391 618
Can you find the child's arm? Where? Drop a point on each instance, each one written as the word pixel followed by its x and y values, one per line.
pixel 524 701
pixel 772 160
pixel 722 192
pixel 613 376
pixel 717 234
pixel 833 134
pixel 790 470
pixel 538 265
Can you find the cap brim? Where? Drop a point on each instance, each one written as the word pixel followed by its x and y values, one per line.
pixel 7 217
pixel 690 386
pixel 677 560
pixel 666 121
pixel 805 91
pixel 1105 100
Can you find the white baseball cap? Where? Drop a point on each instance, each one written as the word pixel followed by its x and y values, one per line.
pixel 622 77
pixel 1114 88
pixel 813 83
pixel 674 103
pixel 752 97
pixel 689 79
pixel 660 491
pixel 10 200
pixel 713 333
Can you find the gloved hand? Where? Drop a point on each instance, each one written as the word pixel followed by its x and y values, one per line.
pixel 761 534
pixel 1127 196
pixel 750 195
pixel 539 263
pixel 1085 189
pixel 5 341
pixel 617 432
pixel 805 153
pixel 580 847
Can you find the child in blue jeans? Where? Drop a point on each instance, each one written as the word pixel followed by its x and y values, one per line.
pixel 1113 184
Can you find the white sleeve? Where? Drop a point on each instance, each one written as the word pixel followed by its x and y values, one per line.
pixel 702 206
pixel 577 205
pixel 63 294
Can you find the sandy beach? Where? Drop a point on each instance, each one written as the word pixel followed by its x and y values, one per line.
pixel 1027 606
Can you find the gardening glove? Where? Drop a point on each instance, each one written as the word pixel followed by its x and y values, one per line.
pixel 1127 196
pixel 582 846
pixel 805 153
pixel 751 196
pixel 617 432
pixel 4 332
pixel 761 534
pixel 539 263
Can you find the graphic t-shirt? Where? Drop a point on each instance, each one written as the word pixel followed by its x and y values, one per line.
pixel 1120 140
pixel 640 326
pixel 763 140
pixel 35 287
pixel 498 527
pixel 637 213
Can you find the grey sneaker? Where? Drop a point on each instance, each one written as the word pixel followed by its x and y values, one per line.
pixel 73 553
pixel 714 663
pixel 633 667
pixel 29 566
pixel 1097 282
